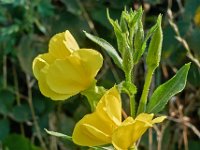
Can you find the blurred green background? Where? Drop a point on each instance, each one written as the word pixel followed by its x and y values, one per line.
pixel 25 29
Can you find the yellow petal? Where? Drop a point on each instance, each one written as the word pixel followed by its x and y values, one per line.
pixel 91 130
pixel 67 76
pixel 148 118
pixel 159 119
pixel 97 128
pixel 110 106
pixel 128 133
pixel 46 91
pixel 57 46
pixel 40 62
pixel 70 42
pixel 72 75
pixel 40 68
pixel 144 117
pixel 91 61
pixel 131 130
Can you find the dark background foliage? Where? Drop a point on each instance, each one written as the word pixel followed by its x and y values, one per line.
pixel 25 29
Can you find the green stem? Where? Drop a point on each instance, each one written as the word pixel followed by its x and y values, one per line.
pixel 92 104
pixel 90 100
pixel 131 94
pixel 145 92
pixel 128 76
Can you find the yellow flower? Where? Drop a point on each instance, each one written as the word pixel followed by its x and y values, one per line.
pixel 105 126
pixel 66 69
pixel 197 17
pixel 131 130
pixel 97 128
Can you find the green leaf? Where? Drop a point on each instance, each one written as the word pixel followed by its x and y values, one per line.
pixel 6 101
pixel 99 15
pixel 57 134
pixel 194 75
pixel 165 91
pixel 5 128
pixel 21 113
pixel 18 142
pixel 7 1
pixel 9 30
pixel 72 6
pixel 194 144
pixel 26 51
pixel 108 47
pixel 45 9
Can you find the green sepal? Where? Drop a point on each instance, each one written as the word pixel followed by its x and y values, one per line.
pixel 94 94
pixel 123 46
pixel 138 43
pixel 108 48
pixel 127 87
pixel 165 91
pixel 139 36
pixel 134 18
pixel 138 53
pixel 120 35
pixel 155 47
pixel 123 23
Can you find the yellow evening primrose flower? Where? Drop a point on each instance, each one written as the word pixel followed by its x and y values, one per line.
pixel 105 126
pixel 66 69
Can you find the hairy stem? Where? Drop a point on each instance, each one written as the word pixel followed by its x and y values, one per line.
pixel 145 92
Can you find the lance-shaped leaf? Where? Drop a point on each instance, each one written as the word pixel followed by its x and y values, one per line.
pixel 165 91
pixel 108 47
pixel 57 134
